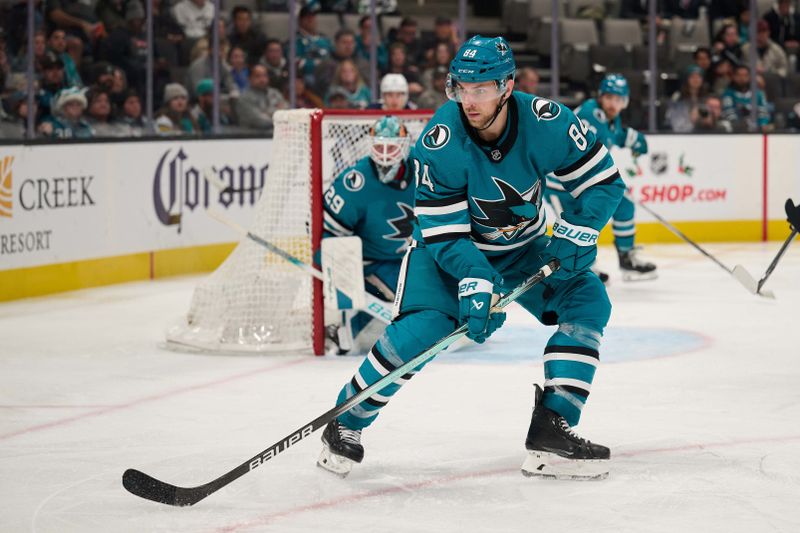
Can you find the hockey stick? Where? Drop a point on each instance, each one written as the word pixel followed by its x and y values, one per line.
pixel 145 486
pixel 738 273
pixel 793 217
pixel 374 307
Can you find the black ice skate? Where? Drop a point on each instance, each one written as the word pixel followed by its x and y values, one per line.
pixel 341 447
pixel 635 269
pixel 602 275
pixel 555 451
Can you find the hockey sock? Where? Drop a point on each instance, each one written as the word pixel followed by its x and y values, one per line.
pixel 569 368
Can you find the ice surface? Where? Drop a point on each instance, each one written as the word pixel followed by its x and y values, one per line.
pixel 698 398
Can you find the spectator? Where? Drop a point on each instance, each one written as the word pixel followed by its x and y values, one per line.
pixel 726 44
pixel 119 87
pixel 444 32
pixel 67 120
pixel 275 62
pixel 203 111
pixel 98 115
pixel 406 34
pixel 682 110
pixel 347 78
pixel 259 102
pixel 240 72
pixel 131 117
pixel 771 57
pixel 363 40
pixel 784 25
pixel 51 84
pixel 126 46
pixel 399 64
pixel 174 118
pixel 394 94
pixel 311 46
pixel 344 48
pixel 337 98
pixel 76 17
pixel 202 68
pixel 168 34
pixel 442 55
pixel 736 102
pixel 111 14
pixel 57 42
pixel 13 125
pixel 743 23
pixel 20 63
pixel 305 98
pixel 194 17
pixel 102 75
pixel 245 35
pixel 527 80
pixel 433 98
pixel 709 117
pixel 721 72
pixel 702 58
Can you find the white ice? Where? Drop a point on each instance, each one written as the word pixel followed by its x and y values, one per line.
pixel 698 398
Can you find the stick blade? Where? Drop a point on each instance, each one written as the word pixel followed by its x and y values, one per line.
pixel 147 487
pixel 745 278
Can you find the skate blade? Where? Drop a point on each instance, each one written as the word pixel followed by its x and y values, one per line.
pixel 552 466
pixel 630 276
pixel 335 464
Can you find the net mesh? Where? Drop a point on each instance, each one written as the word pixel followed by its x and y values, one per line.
pixel 256 301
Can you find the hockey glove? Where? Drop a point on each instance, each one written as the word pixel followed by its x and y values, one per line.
pixel 636 142
pixel 475 294
pixel 575 246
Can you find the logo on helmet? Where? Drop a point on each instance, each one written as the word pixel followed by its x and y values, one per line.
pixel 502 48
pixel 436 137
pixel 354 181
pixel 545 109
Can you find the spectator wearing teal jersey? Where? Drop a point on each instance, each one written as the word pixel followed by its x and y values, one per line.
pixel 737 100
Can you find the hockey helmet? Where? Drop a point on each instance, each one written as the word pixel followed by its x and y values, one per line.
pixel 394 83
pixel 390 144
pixel 615 84
pixel 478 60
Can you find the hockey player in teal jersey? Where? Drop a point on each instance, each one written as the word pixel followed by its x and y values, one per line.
pixel 480 167
pixel 601 116
pixel 373 200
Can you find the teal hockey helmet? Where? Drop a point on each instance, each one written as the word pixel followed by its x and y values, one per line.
pixel 615 84
pixel 389 146
pixel 481 59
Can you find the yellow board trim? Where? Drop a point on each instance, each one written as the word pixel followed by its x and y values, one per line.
pixel 49 279
pixel 716 231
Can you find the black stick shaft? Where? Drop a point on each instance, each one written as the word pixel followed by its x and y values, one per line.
pixel 774 263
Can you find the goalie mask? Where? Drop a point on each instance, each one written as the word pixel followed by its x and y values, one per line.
pixel 390 145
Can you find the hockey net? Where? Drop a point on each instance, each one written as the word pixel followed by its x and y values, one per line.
pixel 256 301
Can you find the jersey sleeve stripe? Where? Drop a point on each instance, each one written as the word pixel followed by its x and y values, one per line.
pixel 580 163
pixel 440 202
pixel 610 172
pixel 334 226
pixel 441 210
pixel 586 165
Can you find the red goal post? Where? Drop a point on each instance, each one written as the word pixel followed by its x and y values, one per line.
pixel 256 301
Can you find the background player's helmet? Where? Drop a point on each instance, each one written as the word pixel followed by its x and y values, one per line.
pixel 395 83
pixel 390 144
pixel 481 59
pixel 615 84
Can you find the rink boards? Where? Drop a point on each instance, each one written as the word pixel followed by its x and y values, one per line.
pixel 81 215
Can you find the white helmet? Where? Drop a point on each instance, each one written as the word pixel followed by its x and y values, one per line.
pixel 394 83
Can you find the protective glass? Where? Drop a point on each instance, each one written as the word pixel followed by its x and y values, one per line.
pixel 473 94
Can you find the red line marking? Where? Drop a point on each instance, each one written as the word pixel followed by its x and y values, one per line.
pixel 151 398
pixel 764 209
pixel 265 519
pixel 41 406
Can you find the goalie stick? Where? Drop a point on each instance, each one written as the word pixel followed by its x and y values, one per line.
pixel 793 217
pixel 738 273
pixel 374 307
pixel 150 488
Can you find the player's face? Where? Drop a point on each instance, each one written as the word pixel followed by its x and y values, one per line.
pixel 612 105
pixel 394 101
pixel 480 100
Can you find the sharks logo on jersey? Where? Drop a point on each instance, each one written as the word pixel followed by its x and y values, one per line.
pixel 511 214
pixel 436 137
pixel 545 109
pixel 402 225
pixel 353 181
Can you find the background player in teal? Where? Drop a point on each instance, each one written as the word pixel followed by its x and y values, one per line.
pixel 374 200
pixel 480 168
pixel 601 116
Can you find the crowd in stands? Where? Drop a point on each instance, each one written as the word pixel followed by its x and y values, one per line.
pixel 90 64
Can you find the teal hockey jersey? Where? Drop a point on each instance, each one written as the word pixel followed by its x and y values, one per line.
pixel 358 203
pixel 476 200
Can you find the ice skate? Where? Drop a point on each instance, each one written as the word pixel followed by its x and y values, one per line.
pixel 556 452
pixel 341 447
pixel 635 269
pixel 600 274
